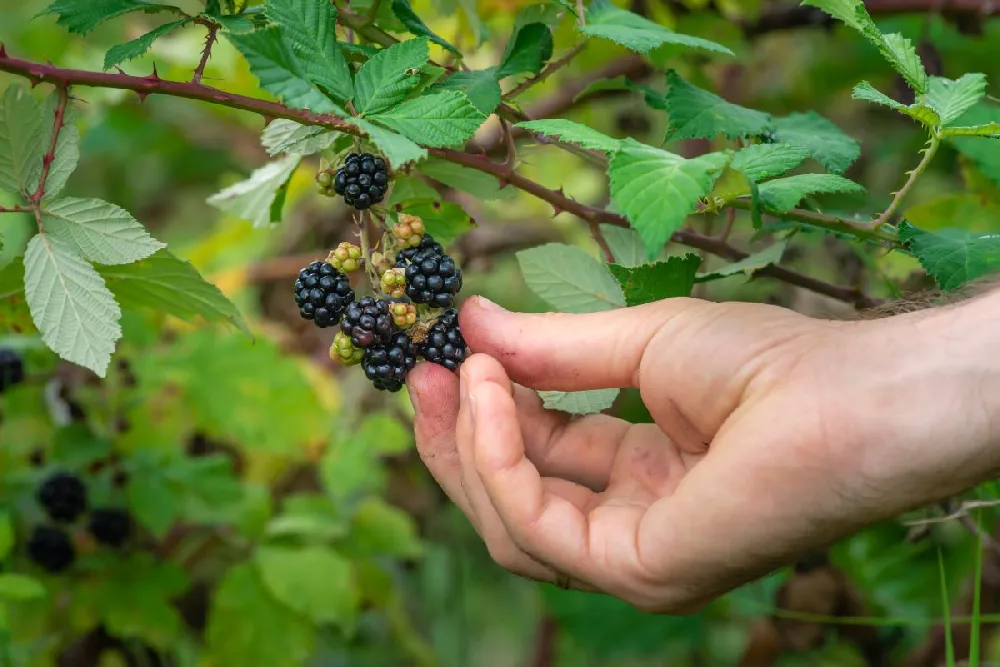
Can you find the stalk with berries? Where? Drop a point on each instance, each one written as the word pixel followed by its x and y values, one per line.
pixel 410 314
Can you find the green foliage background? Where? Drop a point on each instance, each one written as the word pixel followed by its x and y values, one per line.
pixel 285 518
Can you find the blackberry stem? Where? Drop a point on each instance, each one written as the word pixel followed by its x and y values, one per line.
pixel 366 253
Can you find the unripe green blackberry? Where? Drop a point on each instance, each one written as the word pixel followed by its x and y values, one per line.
pixel 343 350
pixel 403 314
pixel 409 231
pixel 346 257
pixel 51 549
pixel 394 283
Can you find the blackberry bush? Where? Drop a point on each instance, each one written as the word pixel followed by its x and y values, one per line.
pixel 362 180
pixel 11 369
pixel 322 294
pixel 51 549
pixel 444 344
pixel 110 526
pixel 63 496
pixel 386 365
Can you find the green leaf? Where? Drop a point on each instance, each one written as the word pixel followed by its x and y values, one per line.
pixel 154 503
pixel 444 221
pixel 657 190
pixel 251 199
pixel 98 231
pixel 826 142
pixel 240 23
pixel 405 188
pixel 922 113
pixel 120 53
pixel 575 133
pixel 76 446
pixel 71 306
pixel 17 587
pixel 625 244
pixel 81 16
pixel 379 529
pixel 6 534
pixel 762 161
pixel 170 285
pixel 309 30
pixel 637 33
pixel 67 153
pixel 528 49
pixel 249 628
pixel 579 402
pixel 478 184
pixel 315 581
pixel 569 279
pixel 23 141
pixel 898 51
pixel 481 86
pixel 951 98
pixel 982 151
pixel 382 434
pixel 280 73
pixel 398 150
pixel 439 120
pixel 652 282
pixel 991 130
pixel 748 266
pixel 699 114
pixel 389 76
pixel 287 136
pixel 953 257
pixel 784 194
pixel 413 23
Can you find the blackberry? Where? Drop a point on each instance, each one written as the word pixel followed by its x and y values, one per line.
pixel 403 314
pixel 11 369
pixel 368 322
pixel 51 549
pixel 362 180
pixel 63 496
pixel 322 294
pixel 386 365
pixel 405 256
pixel 444 344
pixel 343 350
pixel 409 231
pixel 433 278
pixel 110 526
pixel 346 257
pixel 393 283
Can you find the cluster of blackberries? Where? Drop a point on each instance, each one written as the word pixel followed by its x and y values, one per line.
pixel 362 180
pixel 11 369
pixel 63 497
pixel 386 335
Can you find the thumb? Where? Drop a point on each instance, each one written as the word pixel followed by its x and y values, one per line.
pixel 565 352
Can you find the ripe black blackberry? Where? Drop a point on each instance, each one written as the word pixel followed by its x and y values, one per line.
pixel 110 526
pixel 362 180
pixel 322 294
pixel 51 549
pixel 368 321
pixel 433 278
pixel 405 256
pixel 11 369
pixel 444 344
pixel 63 496
pixel 386 365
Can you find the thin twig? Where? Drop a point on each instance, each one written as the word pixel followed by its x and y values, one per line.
pixel 551 69
pixel 58 121
pixel 15 209
pixel 581 14
pixel 206 53
pixel 511 159
pixel 728 228
pixel 929 153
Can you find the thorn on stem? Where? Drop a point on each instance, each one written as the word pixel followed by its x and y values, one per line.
pixel 155 76
pixel 3 50
pixel 142 95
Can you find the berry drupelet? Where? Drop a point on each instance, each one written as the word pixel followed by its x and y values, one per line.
pixel 386 365
pixel 110 526
pixel 51 549
pixel 427 242
pixel 63 496
pixel 368 322
pixel 433 278
pixel 362 180
pixel 444 344
pixel 11 369
pixel 323 294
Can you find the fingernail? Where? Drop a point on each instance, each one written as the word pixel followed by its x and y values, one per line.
pixel 488 305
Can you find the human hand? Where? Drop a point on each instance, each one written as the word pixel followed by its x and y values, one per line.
pixel 774 434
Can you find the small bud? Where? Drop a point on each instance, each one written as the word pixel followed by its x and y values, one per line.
pixel 394 283
pixel 324 178
pixel 345 257
pixel 403 314
pixel 342 350
pixel 380 262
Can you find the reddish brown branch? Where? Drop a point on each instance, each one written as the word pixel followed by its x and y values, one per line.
pixel 15 209
pixel 551 69
pixel 206 53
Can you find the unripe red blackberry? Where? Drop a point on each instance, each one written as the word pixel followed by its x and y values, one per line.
pixel 11 369
pixel 386 365
pixel 343 350
pixel 346 257
pixel 444 344
pixel 368 322
pixel 363 180
pixel 403 314
pixel 51 549
pixel 322 294
pixel 110 526
pixel 433 278
pixel 63 496
pixel 409 231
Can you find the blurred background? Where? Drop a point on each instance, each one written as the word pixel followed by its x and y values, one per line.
pixel 282 515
